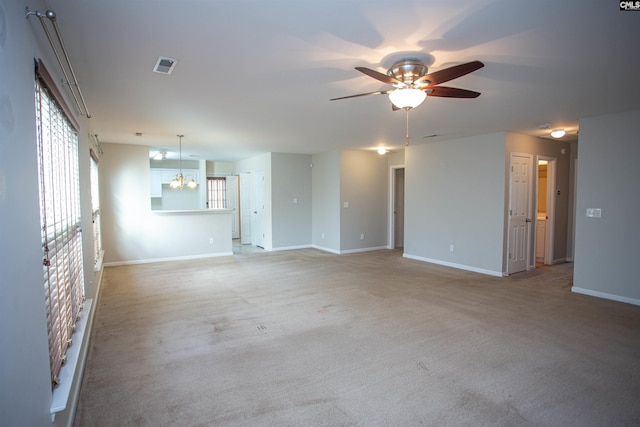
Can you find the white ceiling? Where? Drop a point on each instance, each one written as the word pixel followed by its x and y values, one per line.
pixel 255 76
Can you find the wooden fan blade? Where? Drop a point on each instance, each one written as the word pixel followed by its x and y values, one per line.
pixel 450 92
pixel 450 73
pixel 379 76
pixel 380 92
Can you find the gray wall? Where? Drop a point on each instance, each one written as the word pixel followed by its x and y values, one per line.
pixel 25 388
pixel 395 158
pixel 133 232
pixel 607 248
pixel 454 195
pixel 326 201
pixel 291 197
pixel 364 186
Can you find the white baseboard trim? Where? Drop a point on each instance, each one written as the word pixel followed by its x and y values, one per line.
pixel 454 265
pixel 290 248
pixel 605 295
pixel 348 251
pixel 353 251
pixel 559 261
pixel 322 248
pixel 179 258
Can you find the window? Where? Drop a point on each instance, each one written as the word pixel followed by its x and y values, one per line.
pixel 95 210
pixel 216 193
pixel 60 220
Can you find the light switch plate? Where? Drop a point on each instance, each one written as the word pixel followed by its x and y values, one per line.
pixel 594 213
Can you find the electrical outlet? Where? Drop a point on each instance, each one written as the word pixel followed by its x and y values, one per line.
pixel 211 240
pixel 362 236
pixel 323 235
pixel 451 248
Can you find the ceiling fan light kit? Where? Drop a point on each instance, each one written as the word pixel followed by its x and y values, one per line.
pixel 412 83
pixel 410 76
pixel 407 98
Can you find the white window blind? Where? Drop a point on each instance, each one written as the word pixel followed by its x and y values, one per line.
pixel 216 193
pixel 95 209
pixel 60 221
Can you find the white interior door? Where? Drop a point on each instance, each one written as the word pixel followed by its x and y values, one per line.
pixel 519 213
pixel 232 203
pixel 259 212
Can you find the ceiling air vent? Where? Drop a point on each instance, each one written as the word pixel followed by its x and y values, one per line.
pixel 164 65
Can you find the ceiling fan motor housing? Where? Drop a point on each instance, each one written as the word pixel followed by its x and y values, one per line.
pixel 408 71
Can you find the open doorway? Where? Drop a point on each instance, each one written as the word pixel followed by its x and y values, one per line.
pixel 396 208
pixel 545 211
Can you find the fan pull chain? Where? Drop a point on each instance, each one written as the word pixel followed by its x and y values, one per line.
pixel 407 135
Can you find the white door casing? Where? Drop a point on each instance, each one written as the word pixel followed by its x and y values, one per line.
pixel 259 212
pixel 545 244
pixel 551 209
pixel 232 203
pixel 399 209
pixel 395 232
pixel 245 208
pixel 519 219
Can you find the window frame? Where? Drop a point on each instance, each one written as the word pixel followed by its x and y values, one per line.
pixel 60 217
pixel 216 192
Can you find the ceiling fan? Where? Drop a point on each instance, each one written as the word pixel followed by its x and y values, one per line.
pixel 412 83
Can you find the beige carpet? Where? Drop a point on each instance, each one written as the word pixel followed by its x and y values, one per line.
pixel 308 338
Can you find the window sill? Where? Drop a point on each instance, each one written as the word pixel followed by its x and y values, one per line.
pixel 70 374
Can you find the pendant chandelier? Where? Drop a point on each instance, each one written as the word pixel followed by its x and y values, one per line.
pixel 178 182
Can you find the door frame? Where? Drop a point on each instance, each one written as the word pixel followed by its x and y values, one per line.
pixel 391 226
pixel 258 228
pixel 549 232
pixel 246 197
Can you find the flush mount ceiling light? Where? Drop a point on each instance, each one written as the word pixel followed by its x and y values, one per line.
pixel 558 133
pixel 382 151
pixel 178 182
pixel 407 98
